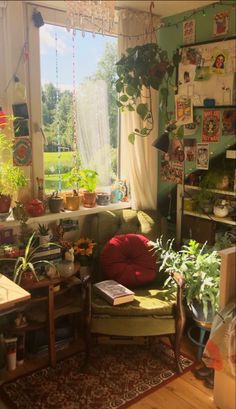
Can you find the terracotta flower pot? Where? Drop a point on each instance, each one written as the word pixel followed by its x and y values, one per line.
pixel 5 203
pixel 89 199
pixel 27 279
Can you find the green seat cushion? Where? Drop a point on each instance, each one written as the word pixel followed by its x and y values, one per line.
pixel 147 301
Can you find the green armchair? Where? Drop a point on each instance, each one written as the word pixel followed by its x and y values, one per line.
pixel 153 312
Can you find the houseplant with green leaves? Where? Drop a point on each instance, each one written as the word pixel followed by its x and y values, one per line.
pixel 144 67
pixel 12 177
pixel 25 269
pixel 200 270
pixel 88 182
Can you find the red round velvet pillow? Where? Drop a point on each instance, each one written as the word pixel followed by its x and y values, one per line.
pixel 126 258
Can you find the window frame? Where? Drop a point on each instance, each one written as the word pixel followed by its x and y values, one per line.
pixel 54 17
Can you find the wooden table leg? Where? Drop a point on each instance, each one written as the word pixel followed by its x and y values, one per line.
pixel 51 327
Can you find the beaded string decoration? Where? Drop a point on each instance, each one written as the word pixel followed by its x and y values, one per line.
pixel 75 127
pixel 58 123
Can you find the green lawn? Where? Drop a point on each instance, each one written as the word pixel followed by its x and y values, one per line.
pixel 51 175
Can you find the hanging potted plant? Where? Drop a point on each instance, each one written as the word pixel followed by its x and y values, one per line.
pixel 144 67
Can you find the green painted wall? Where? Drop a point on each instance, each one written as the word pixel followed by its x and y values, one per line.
pixel 170 38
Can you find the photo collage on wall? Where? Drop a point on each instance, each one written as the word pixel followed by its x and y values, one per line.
pixel 22 154
pixel 207 72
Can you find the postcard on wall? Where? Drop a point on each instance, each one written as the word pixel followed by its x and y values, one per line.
pixel 202 156
pixel 183 110
pixel 22 155
pixel 190 145
pixel 211 126
pixel 189 32
pixel 229 122
pixel 220 61
pixel 191 129
pixel 172 171
pixel 221 23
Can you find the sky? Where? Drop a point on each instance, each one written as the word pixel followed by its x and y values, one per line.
pixel 88 51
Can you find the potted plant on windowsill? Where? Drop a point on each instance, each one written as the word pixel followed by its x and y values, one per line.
pixel 88 181
pixel 200 269
pixel 55 202
pixel 72 200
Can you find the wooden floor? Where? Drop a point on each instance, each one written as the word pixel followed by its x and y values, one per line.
pixel 185 392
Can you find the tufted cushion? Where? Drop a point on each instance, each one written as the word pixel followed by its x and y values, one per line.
pixel 127 259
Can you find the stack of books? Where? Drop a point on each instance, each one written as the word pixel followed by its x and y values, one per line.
pixel 51 252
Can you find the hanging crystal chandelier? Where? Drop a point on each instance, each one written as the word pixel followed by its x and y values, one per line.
pixel 98 15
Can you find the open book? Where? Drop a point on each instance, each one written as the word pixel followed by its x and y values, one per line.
pixel 114 292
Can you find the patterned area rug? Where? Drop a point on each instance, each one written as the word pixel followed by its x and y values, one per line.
pixel 116 377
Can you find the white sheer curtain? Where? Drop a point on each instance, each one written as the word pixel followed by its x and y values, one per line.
pixel 93 129
pixel 139 161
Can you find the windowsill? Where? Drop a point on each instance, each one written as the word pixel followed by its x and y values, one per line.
pixel 67 214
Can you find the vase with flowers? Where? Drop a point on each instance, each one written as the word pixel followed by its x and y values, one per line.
pixel 84 249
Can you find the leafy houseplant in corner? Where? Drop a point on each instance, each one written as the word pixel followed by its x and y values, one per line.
pixel 88 181
pixel 144 67
pixel 200 271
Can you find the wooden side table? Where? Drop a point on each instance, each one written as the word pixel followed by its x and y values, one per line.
pixel 44 292
pixel 56 309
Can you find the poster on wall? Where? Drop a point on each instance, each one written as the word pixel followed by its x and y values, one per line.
pixel 189 32
pixel 211 126
pixel 207 70
pixel 22 154
pixel 202 156
pixel 183 110
pixel 229 122
pixel 191 129
pixel 172 172
pixel 190 146
pixel 221 23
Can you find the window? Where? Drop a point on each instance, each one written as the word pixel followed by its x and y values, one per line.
pixel 78 109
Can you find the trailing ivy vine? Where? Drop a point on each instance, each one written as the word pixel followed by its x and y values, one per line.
pixel 144 66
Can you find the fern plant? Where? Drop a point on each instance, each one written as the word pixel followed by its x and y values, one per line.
pixel 200 270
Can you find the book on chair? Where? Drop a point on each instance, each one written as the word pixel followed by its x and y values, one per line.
pixel 114 292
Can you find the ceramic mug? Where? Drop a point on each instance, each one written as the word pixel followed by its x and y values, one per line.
pixel 103 199
pixel 116 195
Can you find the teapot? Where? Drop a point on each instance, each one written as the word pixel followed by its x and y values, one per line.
pixel 35 208
pixel 221 208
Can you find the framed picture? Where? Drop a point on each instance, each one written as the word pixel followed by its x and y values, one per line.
pixel 20 111
pixel 202 156
pixel 21 127
pixel 22 154
pixel 221 23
